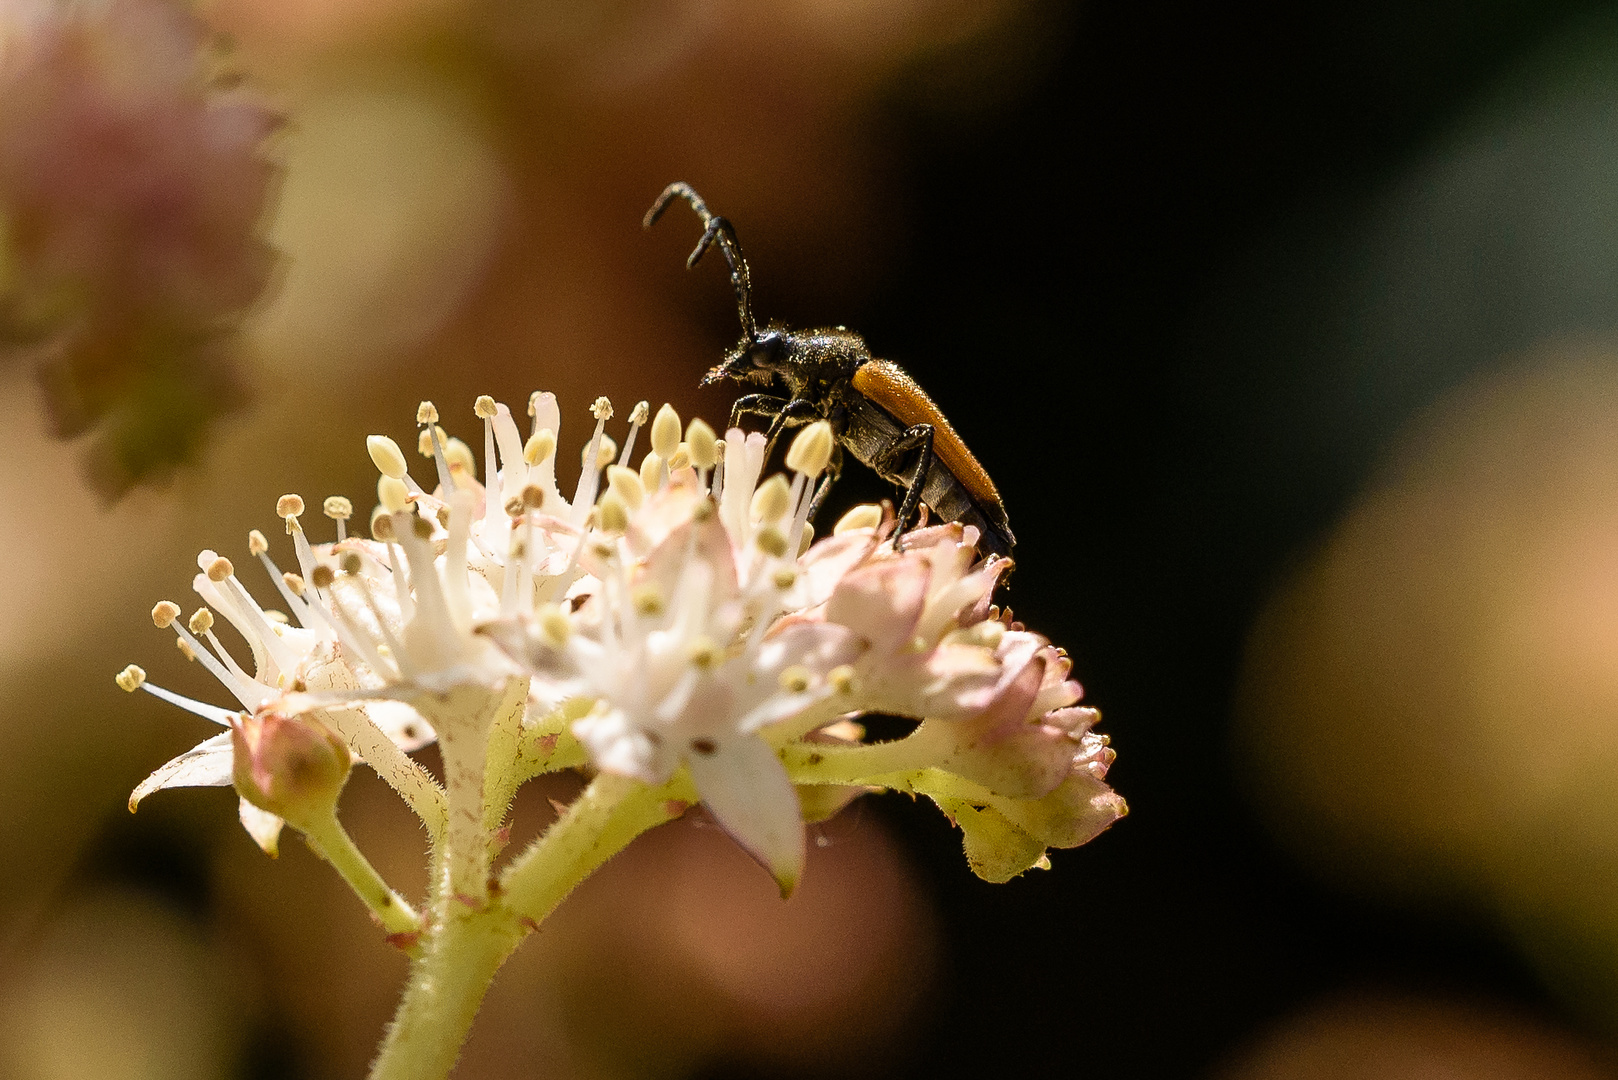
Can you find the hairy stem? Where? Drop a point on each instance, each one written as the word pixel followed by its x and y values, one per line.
pixel 331 842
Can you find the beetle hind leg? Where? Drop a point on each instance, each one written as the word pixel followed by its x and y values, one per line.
pixel 920 439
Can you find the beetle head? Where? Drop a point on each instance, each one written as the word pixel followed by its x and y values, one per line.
pixel 757 360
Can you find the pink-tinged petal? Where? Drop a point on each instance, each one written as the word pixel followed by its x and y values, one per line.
pixel 207 764
pixel 746 789
pixel 881 602
pixel 827 563
pixel 263 826
pixel 1000 748
pixel 1076 812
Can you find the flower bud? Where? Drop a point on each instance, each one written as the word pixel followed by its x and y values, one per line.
pixel 291 766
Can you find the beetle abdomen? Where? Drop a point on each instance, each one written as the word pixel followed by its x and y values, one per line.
pixel 887 385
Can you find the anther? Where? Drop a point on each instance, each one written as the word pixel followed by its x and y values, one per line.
pixel 426 413
pixel 703 512
pixel 424 441
pixel 554 626
pixel 540 446
pixel 702 652
pixel 485 408
pixel 864 516
pixel 702 444
pixel 627 485
pixel 220 569
pixel 323 577
pixel 666 432
pixel 130 679
pixel 640 412
pixel 288 507
pixel 164 613
pixel 606 453
pixel 533 402
pixel 841 678
pixel 459 456
pixel 201 621
pixel 680 458
pixel 382 525
pixel 785 577
pixel 706 747
pixel 392 493
pixel 256 544
pixel 514 507
pixel 648 600
pixel 533 496
pixel 350 563
pixel 422 528
pixel 651 470
pixel 772 500
pixel 794 679
pixel 294 583
pixel 771 541
pixel 386 456
pixel 185 648
pixel 601 409
pixel 614 516
pixel 811 450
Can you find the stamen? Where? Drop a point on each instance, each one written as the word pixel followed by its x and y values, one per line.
pixel 554 626
pixel 614 516
pixel 339 510
pixel 391 493
pixel 130 678
pixel 637 417
pixel 222 717
pixel 772 500
pixel 810 452
pixel 584 496
pixel 627 485
pixel 665 432
pixel 864 516
pixel 540 446
pixel 289 507
pixel 387 457
pixel 652 476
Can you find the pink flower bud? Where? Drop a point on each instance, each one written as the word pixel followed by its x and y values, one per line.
pixel 289 765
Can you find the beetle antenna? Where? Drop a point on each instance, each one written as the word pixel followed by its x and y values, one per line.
pixel 714 229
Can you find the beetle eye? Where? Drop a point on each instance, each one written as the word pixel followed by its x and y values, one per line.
pixel 761 357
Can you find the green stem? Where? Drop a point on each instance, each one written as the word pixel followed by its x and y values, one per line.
pixel 598 824
pixel 331 842
pixel 446 988
pixel 830 763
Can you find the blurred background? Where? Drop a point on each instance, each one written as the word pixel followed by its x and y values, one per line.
pixel 1289 332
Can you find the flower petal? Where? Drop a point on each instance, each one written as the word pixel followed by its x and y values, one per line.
pixel 207 764
pixel 746 789
pixel 263 826
pixel 881 602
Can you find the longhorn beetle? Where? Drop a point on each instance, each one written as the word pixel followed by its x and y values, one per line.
pixel 876 411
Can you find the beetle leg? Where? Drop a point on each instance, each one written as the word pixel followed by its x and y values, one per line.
pixel 756 405
pixel 834 471
pixel 919 437
pixel 795 413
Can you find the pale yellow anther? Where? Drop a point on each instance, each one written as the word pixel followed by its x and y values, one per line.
pixel 640 412
pixel 201 621
pixel 533 402
pixel 771 541
pixel 338 508
pixel 185 648
pixel 651 471
pixel 323 576
pixel 626 482
pixel 554 625
pixel 289 506
pixel 703 512
pixel 703 652
pixel 485 407
pixel 648 600
pixel 533 497
pixel 294 583
pixel 772 500
pixel 841 679
pixel 392 494
pixel 219 569
pixel 164 613
pixel 666 432
pixel 256 543
pixel 680 458
pixel 386 456
pixel 426 413
pixel 805 538
pixel 277 617
pixel 613 514
pixel 811 450
pixel 601 409
pixel 382 525
pixel 863 516
pixel 424 441
pixel 987 633
pixel 785 577
pixel 130 679
pixel 795 679
pixel 540 446
pixel 606 453
pixel 702 444
pixel 459 456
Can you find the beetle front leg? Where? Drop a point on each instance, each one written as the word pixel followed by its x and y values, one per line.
pixel 769 405
pixel 795 413
pixel 919 437
pixel 834 471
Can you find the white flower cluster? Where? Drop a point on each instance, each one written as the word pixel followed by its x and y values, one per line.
pixel 671 615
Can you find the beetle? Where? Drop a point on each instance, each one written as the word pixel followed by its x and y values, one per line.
pixel 877 412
